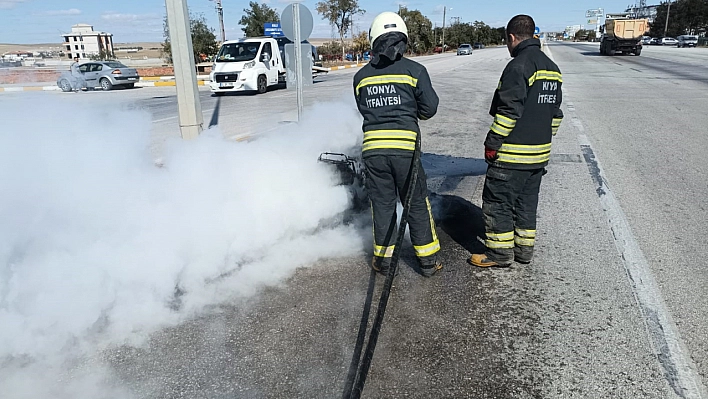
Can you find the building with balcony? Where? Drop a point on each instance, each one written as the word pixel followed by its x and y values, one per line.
pixel 84 42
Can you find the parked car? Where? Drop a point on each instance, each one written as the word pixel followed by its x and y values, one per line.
pixel 464 49
pixel 478 46
pixel 655 41
pixel 687 41
pixel 103 74
pixel 668 41
pixel 646 40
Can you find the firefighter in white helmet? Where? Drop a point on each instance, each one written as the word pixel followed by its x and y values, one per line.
pixel 392 94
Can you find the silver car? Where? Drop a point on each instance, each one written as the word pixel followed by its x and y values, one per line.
pixel 103 74
pixel 464 49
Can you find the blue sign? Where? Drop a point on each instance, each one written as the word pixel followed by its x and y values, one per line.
pixel 273 29
pixel 537 31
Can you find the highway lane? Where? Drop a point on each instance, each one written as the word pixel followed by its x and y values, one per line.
pixel 567 326
pixel 646 117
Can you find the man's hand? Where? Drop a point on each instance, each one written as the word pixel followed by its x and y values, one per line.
pixel 490 155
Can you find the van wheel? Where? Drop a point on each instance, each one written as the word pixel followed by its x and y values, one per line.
pixel 262 84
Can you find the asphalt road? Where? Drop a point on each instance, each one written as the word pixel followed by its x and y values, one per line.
pixel 570 325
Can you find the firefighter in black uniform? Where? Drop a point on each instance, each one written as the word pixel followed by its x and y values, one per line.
pixel 392 94
pixel 526 111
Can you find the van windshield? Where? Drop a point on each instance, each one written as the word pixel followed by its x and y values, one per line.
pixel 237 52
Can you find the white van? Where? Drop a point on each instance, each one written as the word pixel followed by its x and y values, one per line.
pixel 247 64
pixel 687 41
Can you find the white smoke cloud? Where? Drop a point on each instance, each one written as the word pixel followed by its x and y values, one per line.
pixel 95 237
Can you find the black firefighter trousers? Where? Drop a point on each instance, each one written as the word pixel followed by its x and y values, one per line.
pixel 509 204
pixel 386 182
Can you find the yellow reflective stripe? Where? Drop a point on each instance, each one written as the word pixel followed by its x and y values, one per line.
pixel 387 79
pixel 432 221
pixel 554 131
pixel 527 242
pixel 523 159
pixel 504 121
pixel 501 236
pixel 527 149
pixel 499 85
pixel 380 144
pixel 427 250
pixel 499 244
pixel 499 129
pixel 390 134
pixel 525 233
pixel 383 252
pixel 545 75
pixel 556 122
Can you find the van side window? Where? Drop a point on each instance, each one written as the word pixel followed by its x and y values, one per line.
pixel 267 49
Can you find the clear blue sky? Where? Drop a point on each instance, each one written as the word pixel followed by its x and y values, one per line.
pixel 43 21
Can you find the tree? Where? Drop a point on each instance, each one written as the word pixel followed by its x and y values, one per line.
pixel 203 39
pixel 420 34
pixel 339 13
pixel 361 42
pixel 685 17
pixel 254 20
pixel 103 55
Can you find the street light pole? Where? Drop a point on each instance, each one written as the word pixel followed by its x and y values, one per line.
pixel 443 29
pixel 220 13
pixel 668 11
pixel 190 108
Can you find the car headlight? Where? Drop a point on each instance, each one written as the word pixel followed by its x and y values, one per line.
pixel 249 65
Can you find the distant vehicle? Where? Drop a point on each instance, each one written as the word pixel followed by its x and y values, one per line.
pixel 623 35
pixel 687 41
pixel 103 74
pixel 655 41
pixel 252 64
pixel 478 46
pixel 669 41
pixel 464 49
pixel 646 40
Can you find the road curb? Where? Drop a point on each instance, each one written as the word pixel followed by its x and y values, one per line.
pixel 338 68
pixel 29 88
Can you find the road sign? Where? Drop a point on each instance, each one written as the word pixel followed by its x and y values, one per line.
pixel 306 23
pixel 273 29
pixel 305 59
pixel 536 31
pixel 594 13
pixel 592 22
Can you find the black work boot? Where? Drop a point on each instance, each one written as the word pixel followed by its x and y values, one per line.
pixel 523 254
pixel 430 270
pixel 381 265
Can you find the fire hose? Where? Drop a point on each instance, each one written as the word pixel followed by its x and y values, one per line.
pixel 355 383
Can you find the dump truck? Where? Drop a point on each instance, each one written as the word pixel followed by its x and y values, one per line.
pixel 623 34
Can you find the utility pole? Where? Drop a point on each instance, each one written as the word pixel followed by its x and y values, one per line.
pixel 190 108
pixel 443 28
pixel 220 11
pixel 668 11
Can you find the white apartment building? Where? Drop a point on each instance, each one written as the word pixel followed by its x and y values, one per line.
pixel 83 42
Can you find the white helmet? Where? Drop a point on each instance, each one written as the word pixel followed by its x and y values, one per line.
pixel 386 22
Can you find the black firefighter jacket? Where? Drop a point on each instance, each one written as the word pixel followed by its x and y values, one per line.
pixel 392 97
pixel 526 109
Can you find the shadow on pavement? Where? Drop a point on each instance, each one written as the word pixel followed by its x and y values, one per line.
pixel 460 219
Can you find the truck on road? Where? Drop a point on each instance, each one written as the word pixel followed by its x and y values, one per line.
pixel 623 34
pixel 251 64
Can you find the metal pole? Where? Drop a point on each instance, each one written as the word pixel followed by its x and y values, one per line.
pixel 220 11
pixel 190 108
pixel 298 59
pixel 443 29
pixel 668 11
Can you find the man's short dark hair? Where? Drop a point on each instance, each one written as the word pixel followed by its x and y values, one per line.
pixel 521 26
